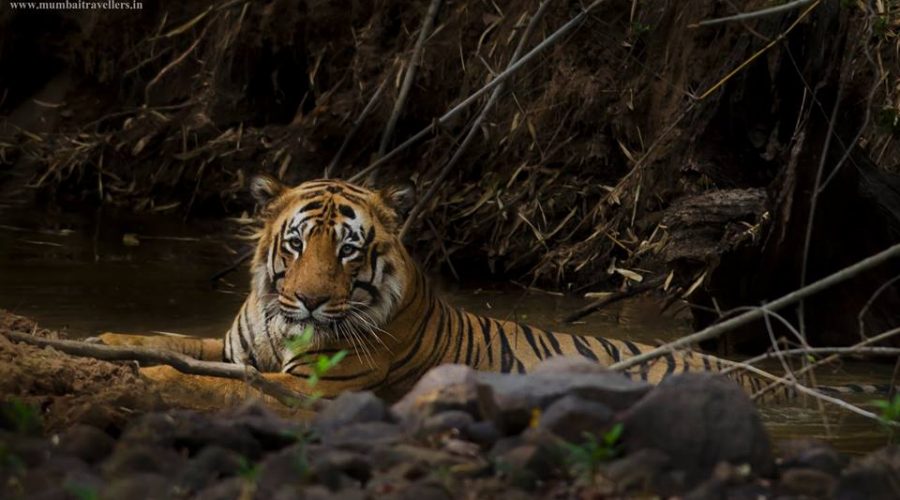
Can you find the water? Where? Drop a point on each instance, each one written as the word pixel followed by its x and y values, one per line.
pixel 94 272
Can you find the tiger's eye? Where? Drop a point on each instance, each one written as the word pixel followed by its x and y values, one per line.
pixel 348 250
pixel 295 244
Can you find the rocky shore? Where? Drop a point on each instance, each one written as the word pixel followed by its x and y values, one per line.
pixel 568 430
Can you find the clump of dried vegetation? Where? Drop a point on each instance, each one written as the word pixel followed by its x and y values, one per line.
pixel 592 152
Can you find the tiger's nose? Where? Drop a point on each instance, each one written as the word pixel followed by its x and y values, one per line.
pixel 312 303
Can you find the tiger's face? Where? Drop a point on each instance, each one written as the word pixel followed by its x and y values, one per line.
pixel 329 256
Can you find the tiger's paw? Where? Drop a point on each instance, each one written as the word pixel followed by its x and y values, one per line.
pixel 161 373
pixel 118 339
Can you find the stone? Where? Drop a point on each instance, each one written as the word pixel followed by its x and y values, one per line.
pixel 484 433
pixel 364 436
pixel 811 454
pixel 444 388
pixel 875 476
pixel 270 430
pixel 226 489
pixel 568 364
pixel 699 420
pixel 191 431
pixel 350 408
pixel 571 417
pixel 330 464
pixel 132 458
pixel 144 485
pixel 445 422
pixel 86 442
pixel 516 396
pixel 58 470
pixel 210 464
pixel 30 450
pixel 806 482
pixel 638 471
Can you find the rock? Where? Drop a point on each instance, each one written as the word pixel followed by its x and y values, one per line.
pixel 446 421
pixel 806 482
pixel 416 455
pixel 29 450
pixel 142 485
pixel 571 417
pixel 426 489
pixel 329 465
pixel 699 420
pixel 515 396
pixel 875 476
pixel 65 471
pixel 484 433
pixel 192 431
pixel 210 464
pixel 568 364
pixel 350 408
pixel 132 458
pixel 316 492
pixel 811 454
pixel 227 489
pixel 531 456
pixel 639 470
pixel 364 436
pixel 444 388
pixel 271 431
pixel 85 442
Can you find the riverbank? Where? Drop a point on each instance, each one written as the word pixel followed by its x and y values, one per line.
pixel 77 427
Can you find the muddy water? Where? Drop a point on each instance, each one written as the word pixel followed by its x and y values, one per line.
pixel 94 272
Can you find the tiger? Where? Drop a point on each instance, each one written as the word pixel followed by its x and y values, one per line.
pixel 329 260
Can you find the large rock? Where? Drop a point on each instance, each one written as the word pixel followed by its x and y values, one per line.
pixel 444 388
pixel 350 408
pixel 873 477
pixel 699 420
pixel 571 417
pixel 86 442
pixel 191 431
pixel 515 397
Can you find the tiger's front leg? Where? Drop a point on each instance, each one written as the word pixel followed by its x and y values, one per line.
pixel 203 349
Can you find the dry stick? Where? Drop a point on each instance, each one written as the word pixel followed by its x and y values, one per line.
pixel 743 319
pixel 862 312
pixel 502 77
pixel 174 63
pixel 805 390
pixel 356 126
pixel 613 298
pixel 476 125
pixel 410 75
pixel 828 359
pixel 870 351
pixel 180 362
pixel 760 52
pixel 750 15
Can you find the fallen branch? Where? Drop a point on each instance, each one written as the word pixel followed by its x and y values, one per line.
pixel 613 298
pixel 410 75
pixel 474 129
pixel 502 77
pixel 180 362
pixel 750 316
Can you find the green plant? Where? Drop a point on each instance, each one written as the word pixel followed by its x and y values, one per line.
pixel 323 364
pixel 21 417
pixel 584 459
pixel 9 460
pixel 889 414
pixel 248 470
pixel 82 492
pixel 638 29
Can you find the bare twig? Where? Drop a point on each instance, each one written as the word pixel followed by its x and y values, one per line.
pixel 502 77
pixel 760 52
pixel 841 351
pixel 356 125
pixel 862 312
pixel 751 15
pixel 613 298
pixel 180 362
pixel 476 125
pixel 410 75
pixel 750 316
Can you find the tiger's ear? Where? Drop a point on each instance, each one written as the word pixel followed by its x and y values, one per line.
pixel 400 198
pixel 266 188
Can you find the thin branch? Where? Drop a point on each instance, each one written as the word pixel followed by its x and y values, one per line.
pixel 475 128
pixel 862 312
pixel 844 351
pixel 356 126
pixel 751 15
pixel 750 316
pixel 180 362
pixel 502 77
pixel 613 298
pixel 410 75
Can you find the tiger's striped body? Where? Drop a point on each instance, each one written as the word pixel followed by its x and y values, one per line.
pixel 329 257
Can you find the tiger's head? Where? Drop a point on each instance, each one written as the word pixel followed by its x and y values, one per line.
pixel 329 255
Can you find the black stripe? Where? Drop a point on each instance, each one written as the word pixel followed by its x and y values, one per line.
pixel 634 352
pixel 459 330
pixel 610 348
pixel 554 344
pixel 470 340
pixel 346 211
pixel 670 364
pixel 529 337
pixel 508 358
pixel 546 349
pixel 583 349
pixel 420 333
pixel 488 341
pixel 313 205
pixel 244 342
